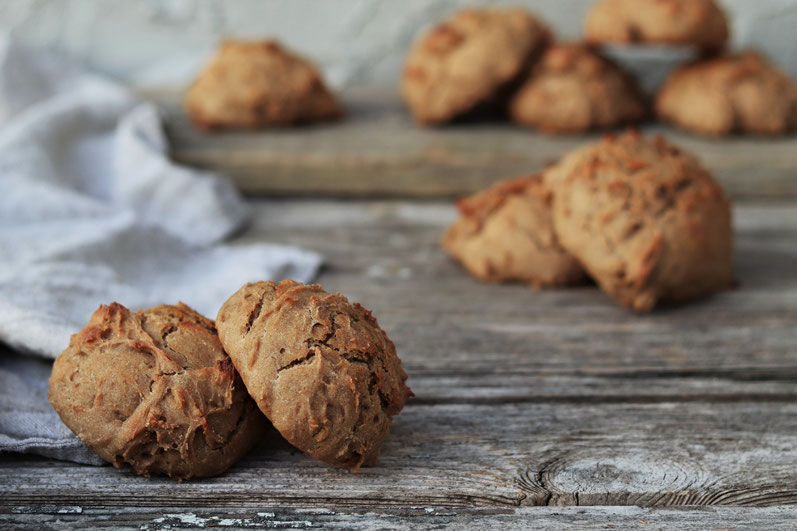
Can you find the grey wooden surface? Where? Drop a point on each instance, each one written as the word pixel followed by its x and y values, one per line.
pixel 378 151
pixel 525 398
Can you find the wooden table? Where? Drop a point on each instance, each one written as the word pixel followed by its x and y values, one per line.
pixel 542 409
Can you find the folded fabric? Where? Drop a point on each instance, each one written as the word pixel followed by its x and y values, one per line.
pixel 93 211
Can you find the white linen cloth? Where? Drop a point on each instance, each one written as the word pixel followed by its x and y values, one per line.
pixel 92 211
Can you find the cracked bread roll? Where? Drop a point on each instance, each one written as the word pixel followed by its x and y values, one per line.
pixel 505 233
pixel 155 389
pixel 319 367
pixel 644 218
pixel 735 93
pixel 258 84
pixel 674 22
pixel 468 60
pixel 573 89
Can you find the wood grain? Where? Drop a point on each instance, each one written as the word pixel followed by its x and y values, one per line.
pixel 524 399
pixel 491 455
pixel 378 151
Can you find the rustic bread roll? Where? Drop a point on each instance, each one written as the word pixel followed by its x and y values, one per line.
pixel 505 233
pixel 573 88
pixel 469 59
pixel 259 84
pixel 679 22
pixel 734 93
pixel 319 367
pixel 644 218
pixel 154 389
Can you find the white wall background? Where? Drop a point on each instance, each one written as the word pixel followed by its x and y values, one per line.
pixel 164 42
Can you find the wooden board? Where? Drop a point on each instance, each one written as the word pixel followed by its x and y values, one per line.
pixel 378 151
pixel 524 399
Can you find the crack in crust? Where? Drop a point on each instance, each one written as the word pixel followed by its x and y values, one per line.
pixel 255 313
pixel 301 361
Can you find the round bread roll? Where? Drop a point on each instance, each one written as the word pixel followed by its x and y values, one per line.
pixel 505 233
pixel 251 84
pixel 698 23
pixel 573 89
pixel 735 93
pixel 644 218
pixel 155 389
pixel 467 60
pixel 319 367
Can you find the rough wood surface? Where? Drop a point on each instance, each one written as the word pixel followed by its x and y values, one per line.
pixel 378 151
pixel 549 518
pixel 524 398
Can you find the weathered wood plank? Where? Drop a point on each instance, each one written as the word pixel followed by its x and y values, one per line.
pixel 490 455
pixel 685 519
pixel 378 151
